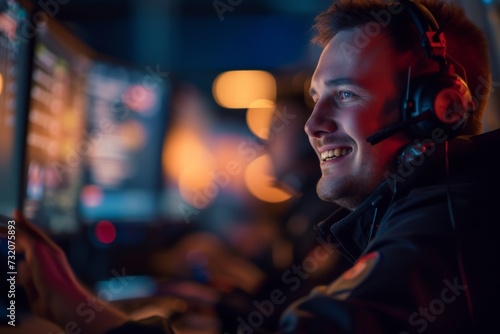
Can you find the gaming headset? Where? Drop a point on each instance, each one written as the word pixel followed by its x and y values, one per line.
pixel 437 100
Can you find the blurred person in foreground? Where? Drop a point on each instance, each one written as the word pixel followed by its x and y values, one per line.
pixel 418 221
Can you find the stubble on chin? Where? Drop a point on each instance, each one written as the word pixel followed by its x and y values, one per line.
pixel 346 195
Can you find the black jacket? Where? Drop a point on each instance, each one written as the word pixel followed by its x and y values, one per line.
pixel 431 264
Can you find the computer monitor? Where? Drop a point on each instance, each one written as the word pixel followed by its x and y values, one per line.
pixel 14 86
pixel 94 136
pixel 127 115
pixel 55 140
pixel 14 78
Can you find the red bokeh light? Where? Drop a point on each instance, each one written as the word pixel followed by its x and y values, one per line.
pixel 105 232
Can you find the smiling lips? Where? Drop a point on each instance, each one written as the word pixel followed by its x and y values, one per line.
pixel 334 154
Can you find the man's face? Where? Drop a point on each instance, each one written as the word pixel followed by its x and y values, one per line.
pixel 356 95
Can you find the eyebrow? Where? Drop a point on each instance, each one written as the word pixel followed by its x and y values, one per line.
pixel 334 82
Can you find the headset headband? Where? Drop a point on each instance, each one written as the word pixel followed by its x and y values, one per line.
pixel 431 37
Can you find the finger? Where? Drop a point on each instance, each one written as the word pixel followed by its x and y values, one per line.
pixel 56 264
pixel 32 230
pixel 30 239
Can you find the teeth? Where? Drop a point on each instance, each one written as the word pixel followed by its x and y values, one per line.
pixel 333 154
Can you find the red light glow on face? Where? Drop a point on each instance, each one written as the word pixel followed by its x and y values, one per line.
pixel 105 232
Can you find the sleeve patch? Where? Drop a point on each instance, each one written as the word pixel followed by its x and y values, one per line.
pixel 353 277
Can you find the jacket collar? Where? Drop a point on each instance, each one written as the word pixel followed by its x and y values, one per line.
pixel 350 231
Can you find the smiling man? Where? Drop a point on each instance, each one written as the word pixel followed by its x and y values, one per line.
pixel 399 93
pixel 396 131
pixel 356 95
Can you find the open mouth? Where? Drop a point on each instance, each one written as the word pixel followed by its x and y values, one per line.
pixel 334 154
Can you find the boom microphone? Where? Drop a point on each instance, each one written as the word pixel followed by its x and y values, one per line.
pixel 392 130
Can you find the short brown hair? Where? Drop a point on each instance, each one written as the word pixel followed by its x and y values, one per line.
pixel 466 43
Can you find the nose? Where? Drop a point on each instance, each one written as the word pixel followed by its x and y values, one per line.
pixel 321 121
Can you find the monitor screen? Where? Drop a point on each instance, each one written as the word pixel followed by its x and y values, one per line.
pixel 14 57
pixel 126 123
pixel 55 140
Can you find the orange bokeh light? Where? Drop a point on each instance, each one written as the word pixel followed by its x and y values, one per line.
pixel 238 89
pixel 259 181
pixel 259 116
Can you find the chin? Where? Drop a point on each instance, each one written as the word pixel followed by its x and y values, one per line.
pixel 329 191
pixel 341 192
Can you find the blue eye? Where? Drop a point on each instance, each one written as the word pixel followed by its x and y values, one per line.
pixel 342 95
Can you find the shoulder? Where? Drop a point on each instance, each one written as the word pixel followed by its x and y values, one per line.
pixel 431 211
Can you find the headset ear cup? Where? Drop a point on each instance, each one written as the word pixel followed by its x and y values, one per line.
pixel 441 102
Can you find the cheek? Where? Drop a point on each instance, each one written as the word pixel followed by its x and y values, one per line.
pixel 362 125
pixel 370 119
pixel 381 156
